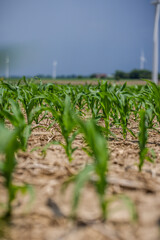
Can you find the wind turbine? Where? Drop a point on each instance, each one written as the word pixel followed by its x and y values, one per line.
pixel 7 66
pixel 142 60
pixel 155 42
pixel 54 69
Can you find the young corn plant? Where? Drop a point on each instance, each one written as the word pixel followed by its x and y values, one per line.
pixel 32 105
pixel 154 97
pixel 17 119
pixel 9 145
pixel 3 103
pixel 99 168
pixel 67 124
pixel 63 114
pixel 106 105
pixel 29 101
pixel 79 99
pixel 7 91
pixel 143 137
pixel 14 114
pixel 123 105
pixel 92 100
pixel 96 173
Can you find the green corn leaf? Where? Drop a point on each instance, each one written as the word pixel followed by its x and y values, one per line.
pixel 80 180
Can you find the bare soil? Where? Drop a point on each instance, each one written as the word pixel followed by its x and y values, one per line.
pixel 93 81
pixel 47 216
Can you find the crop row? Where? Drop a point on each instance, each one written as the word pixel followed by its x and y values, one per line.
pixel 88 110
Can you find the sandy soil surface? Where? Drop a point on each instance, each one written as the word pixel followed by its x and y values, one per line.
pixel 93 82
pixel 47 216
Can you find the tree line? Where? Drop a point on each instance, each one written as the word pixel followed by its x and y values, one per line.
pixel 134 74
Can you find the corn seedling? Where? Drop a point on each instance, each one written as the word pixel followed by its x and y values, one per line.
pixel 106 104
pixel 124 108
pixel 8 147
pixel 155 98
pixel 99 168
pixel 143 136
pixel 17 119
pixel 63 114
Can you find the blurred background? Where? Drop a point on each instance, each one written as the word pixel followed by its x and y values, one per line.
pixel 75 37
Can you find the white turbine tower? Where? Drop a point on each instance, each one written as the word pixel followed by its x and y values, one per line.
pixel 54 69
pixel 142 60
pixel 155 42
pixel 7 67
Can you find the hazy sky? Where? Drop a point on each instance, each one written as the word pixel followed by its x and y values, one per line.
pixel 83 36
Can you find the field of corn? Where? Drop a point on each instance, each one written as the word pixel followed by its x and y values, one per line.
pixel 79 162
